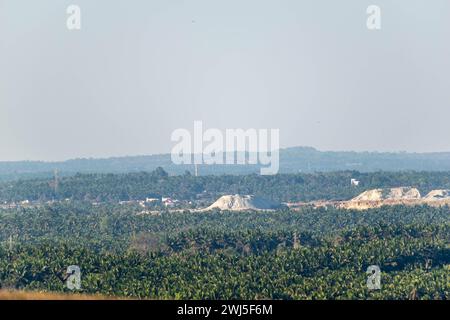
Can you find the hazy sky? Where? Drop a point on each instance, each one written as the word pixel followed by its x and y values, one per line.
pixel 137 70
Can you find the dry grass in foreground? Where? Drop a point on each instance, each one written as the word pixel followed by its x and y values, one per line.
pixel 35 295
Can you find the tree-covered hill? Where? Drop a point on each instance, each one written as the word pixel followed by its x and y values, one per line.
pixel 282 187
pixel 292 160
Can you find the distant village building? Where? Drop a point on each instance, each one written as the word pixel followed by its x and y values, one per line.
pixel 122 202
pixel 168 202
pixel 354 182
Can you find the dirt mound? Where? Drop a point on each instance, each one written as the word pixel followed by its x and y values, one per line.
pixel 438 195
pixel 402 193
pixel 370 195
pixel 377 198
pixel 396 196
pixel 240 203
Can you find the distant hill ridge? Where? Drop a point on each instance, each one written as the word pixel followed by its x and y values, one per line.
pixel 292 160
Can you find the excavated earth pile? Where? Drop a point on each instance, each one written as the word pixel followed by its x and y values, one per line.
pixel 243 203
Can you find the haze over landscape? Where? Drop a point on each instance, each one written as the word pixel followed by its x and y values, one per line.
pixel 137 71
pixel 112 186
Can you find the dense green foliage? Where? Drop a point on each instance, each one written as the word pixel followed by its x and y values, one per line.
pixel 310 254
pixel 284 187
pixel 306 254
pixel 81 220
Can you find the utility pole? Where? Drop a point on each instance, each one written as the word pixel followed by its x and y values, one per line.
pixel 10 242
pixel 296 242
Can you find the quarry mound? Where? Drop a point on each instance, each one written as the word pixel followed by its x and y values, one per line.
pixel 396 196
pixel 401 193
pixel 438 195
pixel 242 203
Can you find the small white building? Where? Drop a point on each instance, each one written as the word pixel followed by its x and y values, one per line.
pixel 354 182
pixel 169 202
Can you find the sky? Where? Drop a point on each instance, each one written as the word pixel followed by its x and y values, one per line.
pixel 138 70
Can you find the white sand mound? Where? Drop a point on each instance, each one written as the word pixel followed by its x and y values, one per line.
pixel 438 195
pixel 370 195
pixel 240 203
pixel 402 193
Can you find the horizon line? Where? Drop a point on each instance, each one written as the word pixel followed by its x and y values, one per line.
pixel 239 151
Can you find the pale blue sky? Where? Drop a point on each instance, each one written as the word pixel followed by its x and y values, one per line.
pixel 140 69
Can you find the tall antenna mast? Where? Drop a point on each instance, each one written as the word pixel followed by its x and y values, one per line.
pixel 196 170
pixel 56 181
